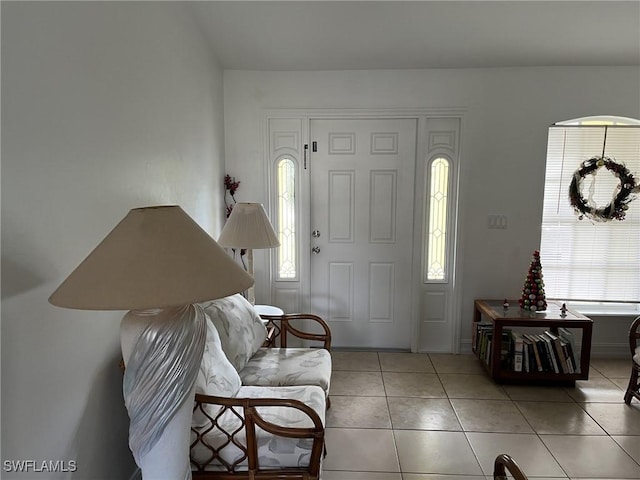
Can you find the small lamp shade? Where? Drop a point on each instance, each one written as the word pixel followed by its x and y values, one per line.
pixel 248 227
pixel 155 257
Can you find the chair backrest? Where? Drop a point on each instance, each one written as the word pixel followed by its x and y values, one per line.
pixel 217 376
pixel 504 461
pixel 634 335
pixel 241 330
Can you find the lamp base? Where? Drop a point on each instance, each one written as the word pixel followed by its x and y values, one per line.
pixel 162 351
pixel 251 291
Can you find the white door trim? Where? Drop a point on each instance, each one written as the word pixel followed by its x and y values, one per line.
pixel 308 114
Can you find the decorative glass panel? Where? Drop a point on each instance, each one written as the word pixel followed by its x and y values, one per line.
pixel 436 268
pixel 286 253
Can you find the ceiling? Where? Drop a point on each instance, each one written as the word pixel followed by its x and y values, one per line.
pixel 348 35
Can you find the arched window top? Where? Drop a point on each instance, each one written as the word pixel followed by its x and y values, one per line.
pixel 439 157
pixel 286 159
pixel 598 120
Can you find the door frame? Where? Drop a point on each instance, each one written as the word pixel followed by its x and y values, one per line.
pixel 305 115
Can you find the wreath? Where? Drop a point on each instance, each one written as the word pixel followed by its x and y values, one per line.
pixel 618 206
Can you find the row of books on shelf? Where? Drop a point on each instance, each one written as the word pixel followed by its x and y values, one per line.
pixel 525 352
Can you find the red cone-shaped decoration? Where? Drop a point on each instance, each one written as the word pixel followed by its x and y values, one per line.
pixel 533 298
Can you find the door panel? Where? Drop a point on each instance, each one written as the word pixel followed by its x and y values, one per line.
pixel 362 192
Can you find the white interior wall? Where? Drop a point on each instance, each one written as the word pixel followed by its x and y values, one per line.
pixel 105 107
pixel 508 112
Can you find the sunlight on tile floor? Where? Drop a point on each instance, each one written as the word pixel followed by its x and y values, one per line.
pixel 403 416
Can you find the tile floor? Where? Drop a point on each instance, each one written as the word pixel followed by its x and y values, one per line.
pixel 403 416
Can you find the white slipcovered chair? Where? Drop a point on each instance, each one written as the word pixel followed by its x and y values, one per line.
pixel 272 428
pixel 633 390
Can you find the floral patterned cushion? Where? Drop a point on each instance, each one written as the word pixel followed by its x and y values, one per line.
pixel 273 451
pixel 241 331
pixel 288 367
pixel 216 376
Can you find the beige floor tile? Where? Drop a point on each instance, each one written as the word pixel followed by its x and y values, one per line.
pixel 405 362
pixel 490 416
pixel 622 383
pixel 471 386
pixel 591 457
pixel 413 385
pixel 598 389
pixel 435 452
pixel 536 393
pixel 448 363
pixel 559 418
pixel 616 418
pixel 593 373
pixel 356 361
pixel 450 425
pixel 630 444
pixel 612 367
pixel 435 476
pixel 360 450
pixel 423 414
pixel 357 383
pixel 527 450
pixel 343 475
pixel 358 412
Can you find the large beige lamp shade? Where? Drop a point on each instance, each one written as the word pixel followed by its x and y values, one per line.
pixel 157 263
pixel 155 257
pixel 248 227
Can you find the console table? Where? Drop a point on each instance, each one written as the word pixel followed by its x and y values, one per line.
pixel 499 317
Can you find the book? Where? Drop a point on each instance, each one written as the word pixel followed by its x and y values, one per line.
pixel 565 350
pixel 550 353
pixel 482 339
pixel 475 340
pixel 557 347
pixel 529 363
pixel 487 349
pixel 516 340
pixel 542 352
pixel 567 335
pixel 505 349
pixel 537 365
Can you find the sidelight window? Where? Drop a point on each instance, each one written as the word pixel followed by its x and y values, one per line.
pixel 437 214
pixel 286 229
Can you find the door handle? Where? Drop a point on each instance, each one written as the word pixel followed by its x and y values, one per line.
pixel 315 233
pixel 315 250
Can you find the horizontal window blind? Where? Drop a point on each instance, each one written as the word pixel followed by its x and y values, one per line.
pixel 583 259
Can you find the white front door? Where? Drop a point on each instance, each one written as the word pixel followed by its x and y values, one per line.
pixel 361 221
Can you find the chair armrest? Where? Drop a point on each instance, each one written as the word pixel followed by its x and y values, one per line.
pixel 286 328
pixel 634 335
pixel 505 461
pixel 245 409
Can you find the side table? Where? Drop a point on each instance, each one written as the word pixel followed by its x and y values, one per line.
pixel 268 310
pixel 499 317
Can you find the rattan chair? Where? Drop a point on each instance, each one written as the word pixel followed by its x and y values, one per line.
pixel 633 390
pixel 505 462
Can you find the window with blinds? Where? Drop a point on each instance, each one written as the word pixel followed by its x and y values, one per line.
pixel 585 260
